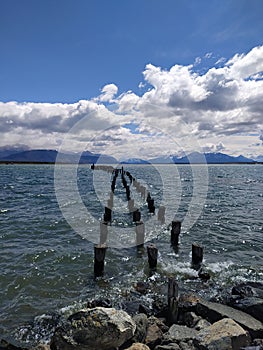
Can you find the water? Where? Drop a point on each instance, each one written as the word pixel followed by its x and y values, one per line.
pixel 47 268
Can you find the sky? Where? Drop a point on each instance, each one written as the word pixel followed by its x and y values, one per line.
pixel 139 78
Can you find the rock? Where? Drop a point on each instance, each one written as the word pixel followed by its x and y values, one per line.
pixel 252 306
pixel 190 319
pixel 142 287
pixel 5 345
pixel 153 336
pixel 138 346
pixel 225 334
pixel 202 324
pixel 41 347
pixel 214 312
pixel 141 322
pixel 171 346
pixel 248 289
pixel 178 334
pixel 252 348
pixel 188 302
pixel 159 322
pixel 92 329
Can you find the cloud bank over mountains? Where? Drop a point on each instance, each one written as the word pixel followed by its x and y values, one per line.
pixel 177 111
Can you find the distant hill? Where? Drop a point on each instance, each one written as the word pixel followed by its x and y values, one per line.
pixel 135 161
pixel 6 151
pixel 49 156
pixel 197 158
pixel 17 154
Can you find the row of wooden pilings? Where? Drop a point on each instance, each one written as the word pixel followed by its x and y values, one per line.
pixel 152 250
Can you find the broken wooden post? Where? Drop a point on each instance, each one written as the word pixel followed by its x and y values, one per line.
pixel 131 205
pixel 108 214
pixel 173 298
pixel 197 254
pixel 148 197
pixel 136 215
pixel 140 233
pixel 99 257
pixel 161 214
pixel 152 252
pixel 110 203
pixel 175 232
pixel 151 206
pixel 103 232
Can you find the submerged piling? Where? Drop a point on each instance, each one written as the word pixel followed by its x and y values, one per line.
pixel 161 214
pixel 140 233
pixel 173 299
pixel 197 254
pixel 152 252
pixel 175 232
pixel 99 258
pixel 103 232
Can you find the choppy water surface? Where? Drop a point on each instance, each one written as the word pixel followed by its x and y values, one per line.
pixel 47 268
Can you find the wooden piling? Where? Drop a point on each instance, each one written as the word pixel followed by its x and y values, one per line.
pixel 152 252
pixel 173 299
pixel 99 258
pixel 140 233
pixel 103 232
pixel 108 214
pixel 197 254
pixel 161 214
pixel 175 232
pixel 131 205
pixel 136 215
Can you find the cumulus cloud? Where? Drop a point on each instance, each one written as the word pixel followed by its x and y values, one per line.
pixel 108 92
pixel 220 104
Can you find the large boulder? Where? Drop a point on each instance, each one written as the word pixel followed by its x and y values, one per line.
pixel 214 312
pixel 225 334
pixel 251 305
pixel 178 333
pixel 93 329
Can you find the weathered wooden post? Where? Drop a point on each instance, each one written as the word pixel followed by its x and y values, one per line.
pixel 161 214
pixel 140 233
pixel 110 203
pixel 151 206
pixel 107 215
pixel 175 232
pixel 131 205
pixel 99 258
pixel 173 298
pixel 197 254
pixel 136 215
pixel 103 232
pixel 152 252
pixel 128 193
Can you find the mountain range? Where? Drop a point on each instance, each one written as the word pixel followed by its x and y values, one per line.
pixel 25 155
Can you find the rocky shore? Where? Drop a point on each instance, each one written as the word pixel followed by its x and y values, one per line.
pixel 189 322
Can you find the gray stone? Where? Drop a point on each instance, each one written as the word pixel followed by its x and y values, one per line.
pixel 171 346
pixel 190 319
pixel 252 306
pixel 141 322
pixel 138 346
pixel 201 324
pixel 214 312
pixel 154 335
pixel 92 329
pixel 225 334
pixel 178 334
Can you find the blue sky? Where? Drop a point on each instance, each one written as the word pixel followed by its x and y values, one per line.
pixel 63 52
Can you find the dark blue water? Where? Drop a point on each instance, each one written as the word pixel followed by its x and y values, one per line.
pixel 47 268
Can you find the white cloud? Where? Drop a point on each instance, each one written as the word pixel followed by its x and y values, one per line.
pixel 108 92
pixel 215 109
